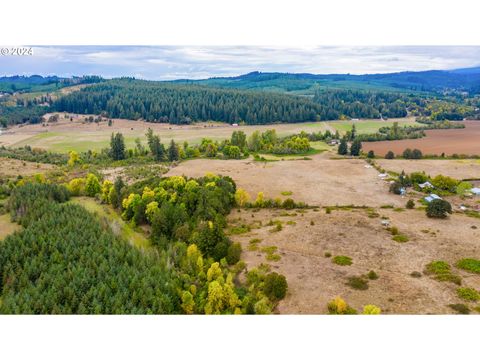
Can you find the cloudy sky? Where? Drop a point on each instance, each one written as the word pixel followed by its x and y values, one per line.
pixel 196 62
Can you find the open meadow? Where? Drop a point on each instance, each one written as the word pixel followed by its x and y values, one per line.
pixel 304 248
pixel 66 135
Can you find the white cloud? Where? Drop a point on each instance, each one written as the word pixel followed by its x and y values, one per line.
pixel 172 62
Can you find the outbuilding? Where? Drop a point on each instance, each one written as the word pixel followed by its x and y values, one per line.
pixel 475 191
pixel 432 197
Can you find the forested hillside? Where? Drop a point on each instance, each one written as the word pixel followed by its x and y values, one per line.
pixel 37 83
pixel 363 104
pixel 409 81
pixel 166 102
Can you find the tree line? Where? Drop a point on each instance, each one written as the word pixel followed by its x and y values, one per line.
pixel 183 104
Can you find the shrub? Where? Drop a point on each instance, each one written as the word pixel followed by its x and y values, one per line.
pixel 278 227
pixel 460 308
pixel 288 204
pixel 439 208
pixel 241 229
pixel 410 204
pixel 327 254
pixel 416 274
pixel 442 272
pixel 396 188
pixel 394 230
pixel 438 267
pixel 328 210
pixel 273 257
pixel 92 185
pixel 469 294
pixel 401 238
pixel 342 260
pixel 338 306
pixel 468 264
pixel 372 275
pixel 286 193
pixel 389 155
pixel 371 310
pixel 275 286
pixel 371 154
pixel 357 283
pixel 233 253
pixel 241 197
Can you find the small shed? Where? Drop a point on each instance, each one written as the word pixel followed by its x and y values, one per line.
pixel 426 184
pixel 432 197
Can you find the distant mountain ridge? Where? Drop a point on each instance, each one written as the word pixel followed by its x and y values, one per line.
pixel 467 79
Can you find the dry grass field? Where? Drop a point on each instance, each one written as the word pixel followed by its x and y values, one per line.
pixel 320 181
pixel 458 169
pixel 13 167
pixel 313 278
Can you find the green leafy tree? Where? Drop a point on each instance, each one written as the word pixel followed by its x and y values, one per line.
pixel 390 155
pixel 92 185
pixel 239 138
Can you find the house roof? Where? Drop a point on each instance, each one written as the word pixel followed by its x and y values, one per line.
pixel 432 197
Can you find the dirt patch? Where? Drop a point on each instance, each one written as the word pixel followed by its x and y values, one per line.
pixel 320 181
pixel 458 169
pixel 451 141
pixel 314 279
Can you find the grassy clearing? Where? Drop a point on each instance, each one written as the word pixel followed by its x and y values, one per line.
pixel 6 226
pixel 117 224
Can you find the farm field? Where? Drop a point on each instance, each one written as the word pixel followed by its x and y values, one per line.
pixel 319 181
pixel 451 141
pixel 69 135
pixel 314 280
pixel 458 169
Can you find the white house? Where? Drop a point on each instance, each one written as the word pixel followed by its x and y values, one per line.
pixel 432 197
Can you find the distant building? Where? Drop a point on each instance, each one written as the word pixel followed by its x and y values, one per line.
pixel 475 191
pixel 432 197
pixel 426 184
pixel 234 124
pixel 355 119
